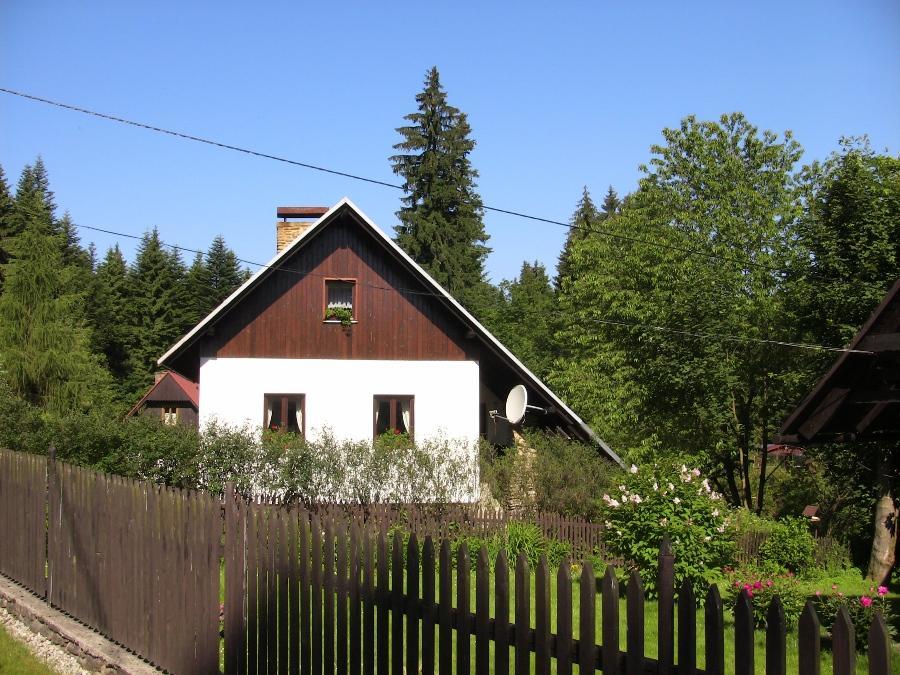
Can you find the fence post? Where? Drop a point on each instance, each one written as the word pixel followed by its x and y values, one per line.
pixel 776 638
pixel 743 635
pixel 687 629
pixel 843 644
pixel 666 585
pixel 610 608
pixel 714 625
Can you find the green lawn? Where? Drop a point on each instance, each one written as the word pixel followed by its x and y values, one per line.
pixel 15 658
pixel 650 631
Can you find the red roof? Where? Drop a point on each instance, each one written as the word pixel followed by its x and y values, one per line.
pixel 174 383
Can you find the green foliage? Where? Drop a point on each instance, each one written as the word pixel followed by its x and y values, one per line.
pixel 663 500
pixel 560 476
pixel 342 314
pixel 440 220
pixel 726 192
pixel 762 587
pixel 525 319
pixel 861 610
pixel 789 547
pixel 212 278
pixel 44 343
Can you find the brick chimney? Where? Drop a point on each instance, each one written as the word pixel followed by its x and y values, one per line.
pixel 294 221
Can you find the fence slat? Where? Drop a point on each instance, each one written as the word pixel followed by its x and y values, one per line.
pixel 542 617
pixel 687 629
pixel 879 647
pixel 482 612
pixel 463 616
pixel 304 535
pixel 501 614
pixel 587 650
pixel 743 635
pixel 341 574
pixel 445 631
pixel 283 602
pixel 368 603
pixel 523 616
pixel 412 605
pixel 428 605
pixel 564 619
pixel 293 592
pixel 714 626
pixel 809 640
pixel 776 639
pixel 355 603
pixel 666 604
pixel 610 599
pixel 383 597
pixel 634 594
pixel 316 594
pixel 843 644
pixel 328 597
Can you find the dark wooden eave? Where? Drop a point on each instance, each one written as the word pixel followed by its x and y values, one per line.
pixel 859 397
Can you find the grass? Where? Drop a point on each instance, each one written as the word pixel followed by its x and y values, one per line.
pixel 15 657
pixel 851 584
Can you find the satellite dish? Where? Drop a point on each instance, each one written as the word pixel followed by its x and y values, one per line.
pixel 516 404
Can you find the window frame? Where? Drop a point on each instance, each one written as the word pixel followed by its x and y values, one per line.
pixel 284 408
pixel 394 400
pixel 165 415
pixel 353 297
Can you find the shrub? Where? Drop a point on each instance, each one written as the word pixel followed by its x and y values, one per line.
pixel 762 588
pixel 861 610
pixel 661 500
pixel 524 538
pixel 789 547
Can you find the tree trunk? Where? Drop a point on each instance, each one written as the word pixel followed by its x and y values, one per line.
pixel 764 457
pixel 884 543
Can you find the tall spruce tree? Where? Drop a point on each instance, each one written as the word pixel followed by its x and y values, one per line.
pixel 6 211
pixel 159 309
pixel 584 219
pixel 44 343
pixel 528 318
pixel 108 311
pixel 441 224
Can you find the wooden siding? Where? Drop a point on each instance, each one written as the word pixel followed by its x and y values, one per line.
pixel 283 316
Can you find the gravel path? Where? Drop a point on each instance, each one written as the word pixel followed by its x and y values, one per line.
pixel 55 657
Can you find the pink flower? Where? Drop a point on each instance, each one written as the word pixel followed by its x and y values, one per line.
pixel 747 587
pixel 834 587
pixel 865 601
pixel 737 584
pixel 840 595
pixel 750 593
pixel 769 583
pixel 818 593
pixel 756 585
pixel 882 590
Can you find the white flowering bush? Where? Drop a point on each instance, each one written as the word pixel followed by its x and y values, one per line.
pixel 659 500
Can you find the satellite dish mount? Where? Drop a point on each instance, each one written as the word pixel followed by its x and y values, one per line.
pixel 516 406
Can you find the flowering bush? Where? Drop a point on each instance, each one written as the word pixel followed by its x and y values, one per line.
pixel 861 610
pixel 658 500
pixel 762 588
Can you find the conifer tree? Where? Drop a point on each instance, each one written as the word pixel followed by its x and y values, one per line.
pixel 528 318
pixel 159 309
pixel 108 314
pixel 584 219
pixel 611 204
pixel 44 344
pixel 441 218
pixel 6 209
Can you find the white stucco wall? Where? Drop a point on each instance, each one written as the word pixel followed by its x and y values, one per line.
pixel 339 393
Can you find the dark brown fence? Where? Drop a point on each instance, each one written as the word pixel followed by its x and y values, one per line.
pixel 136 561
pixel 309 595
pixel 455 520
pixel 23 512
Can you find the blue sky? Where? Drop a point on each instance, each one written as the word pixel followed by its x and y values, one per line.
pixel 557 98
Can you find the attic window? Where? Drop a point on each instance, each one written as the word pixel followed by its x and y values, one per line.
pixel 339 299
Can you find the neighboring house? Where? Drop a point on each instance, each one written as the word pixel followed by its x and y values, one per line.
pixel 858 399
pixel 343 330
pixel 174 399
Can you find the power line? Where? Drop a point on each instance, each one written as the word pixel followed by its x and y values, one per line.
pixel 410 291
pixel 344 174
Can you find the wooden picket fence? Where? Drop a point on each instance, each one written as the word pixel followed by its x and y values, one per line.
pixel 312 595
pixel 306 594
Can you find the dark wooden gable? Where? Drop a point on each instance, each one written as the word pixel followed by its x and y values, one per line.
pixel 859 398
pixel 397 316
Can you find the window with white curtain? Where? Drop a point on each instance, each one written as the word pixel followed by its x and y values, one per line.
pixel 394 414
pixel 284 412
pixel 339 295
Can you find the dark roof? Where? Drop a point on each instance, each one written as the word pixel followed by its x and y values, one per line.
pixel 171 387
pixel 859 397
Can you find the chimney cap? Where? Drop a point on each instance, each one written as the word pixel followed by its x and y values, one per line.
pixel 301 211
